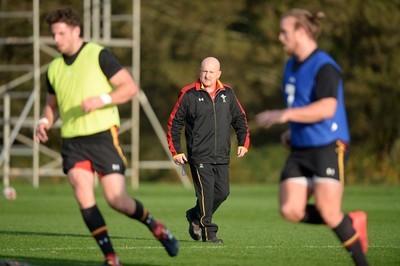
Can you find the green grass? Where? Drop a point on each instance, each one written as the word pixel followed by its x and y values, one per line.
pixel 44 227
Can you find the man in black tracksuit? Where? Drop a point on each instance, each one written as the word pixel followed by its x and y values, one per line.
pixel 207 109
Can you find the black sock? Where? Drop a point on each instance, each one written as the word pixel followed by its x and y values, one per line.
pixel 141 214
pixel 350 241
pixel 312 215
pixel 95 222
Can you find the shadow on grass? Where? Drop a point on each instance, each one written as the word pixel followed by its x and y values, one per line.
pixel 39 234
pixel 57 234
pixel 28 261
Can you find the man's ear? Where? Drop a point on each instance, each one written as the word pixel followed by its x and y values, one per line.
pixel 77 31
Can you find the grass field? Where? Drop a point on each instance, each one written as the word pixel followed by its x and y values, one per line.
pixel 44 227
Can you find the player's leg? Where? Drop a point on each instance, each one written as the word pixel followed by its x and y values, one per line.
pixel 221 193
pixel 193 214
pixel 193 218
pixel 328 200
pixel 329 185
pixel 109 162
pixel 82 181
pixel 222 190
pixel 204 181
pixel 116 195
pixel 328 197
pixel 293 196
pixel 194 223
pixel 296 188
pixel 79 170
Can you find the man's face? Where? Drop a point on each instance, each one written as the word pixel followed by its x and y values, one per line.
pixel 288 35
pixel 66 37
pixel 210 73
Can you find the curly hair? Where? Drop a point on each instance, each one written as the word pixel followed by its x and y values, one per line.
pixel 66 15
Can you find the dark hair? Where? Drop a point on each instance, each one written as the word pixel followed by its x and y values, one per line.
pixel 66 15
pixel 307 20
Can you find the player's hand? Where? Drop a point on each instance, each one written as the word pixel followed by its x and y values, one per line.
pixel 91 104
pixel 271 117
pixel 180 158
pixel 41 133
pixel 241 151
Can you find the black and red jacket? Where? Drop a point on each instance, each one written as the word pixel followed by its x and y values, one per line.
pixel 207 124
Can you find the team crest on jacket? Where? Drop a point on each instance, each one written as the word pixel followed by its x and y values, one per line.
pixel 223 96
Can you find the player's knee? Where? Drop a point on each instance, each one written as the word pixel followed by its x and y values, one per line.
pixel 291 214
pixel 113 204
pixel 221 197
pixel 117 203
pixel 225 195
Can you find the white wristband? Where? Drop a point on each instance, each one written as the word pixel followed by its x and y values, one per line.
pixel 106 98
pixel 43 120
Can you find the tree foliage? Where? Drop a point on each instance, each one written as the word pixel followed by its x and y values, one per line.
pixel 361 35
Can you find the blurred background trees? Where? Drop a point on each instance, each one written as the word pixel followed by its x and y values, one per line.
pixel 362 36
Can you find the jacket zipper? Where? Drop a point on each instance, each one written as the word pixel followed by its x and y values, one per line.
pixel 215 125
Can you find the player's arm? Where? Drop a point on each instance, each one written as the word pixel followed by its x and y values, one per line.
pixel 48 118
pixel 174 128
pixel 312 113
pixel 239 123
pixel 125 87
pixel 323 108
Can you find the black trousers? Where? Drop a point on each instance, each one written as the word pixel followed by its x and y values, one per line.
pixel 211 184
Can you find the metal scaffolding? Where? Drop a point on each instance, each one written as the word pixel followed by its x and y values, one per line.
pixel 97 27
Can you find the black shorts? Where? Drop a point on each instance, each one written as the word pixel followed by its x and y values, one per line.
pixel 99 153
pixel 326 161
